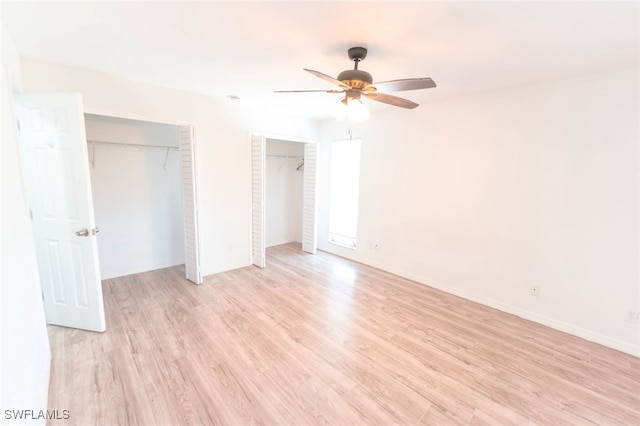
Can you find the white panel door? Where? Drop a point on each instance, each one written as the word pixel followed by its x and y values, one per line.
pixel 309 200
pixel 56 170
pixel 192 268
pixel 258 160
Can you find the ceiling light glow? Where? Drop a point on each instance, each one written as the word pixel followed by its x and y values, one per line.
pixel 351 109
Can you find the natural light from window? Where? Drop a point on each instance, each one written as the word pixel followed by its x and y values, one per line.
pixel 344 187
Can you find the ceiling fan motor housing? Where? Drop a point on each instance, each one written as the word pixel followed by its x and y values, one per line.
pixel 355 78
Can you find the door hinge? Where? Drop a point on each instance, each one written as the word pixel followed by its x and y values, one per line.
pixel 18 124
pixel 42 293
pixel 31 215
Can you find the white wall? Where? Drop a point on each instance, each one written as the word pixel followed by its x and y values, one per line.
pixel 137 201
pixel 25 355
pixel 222 146
pixel 283 193
pixel 487 195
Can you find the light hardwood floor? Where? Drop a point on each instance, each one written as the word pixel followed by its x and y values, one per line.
pixel 316 339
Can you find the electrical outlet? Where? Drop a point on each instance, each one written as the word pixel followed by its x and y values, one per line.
pixel 534 290
pixel 632 317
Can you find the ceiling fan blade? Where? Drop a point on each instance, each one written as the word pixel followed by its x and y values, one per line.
pixel 328 78
pixel 404 84
pixel 308 91
pixel 391 100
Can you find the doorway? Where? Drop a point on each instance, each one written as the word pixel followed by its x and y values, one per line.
pixel 56 166
pixel 294 164
pixel 135 180
pixel 167 153
pixel 284 168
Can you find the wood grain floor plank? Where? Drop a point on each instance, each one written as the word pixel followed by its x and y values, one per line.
pixel 317 339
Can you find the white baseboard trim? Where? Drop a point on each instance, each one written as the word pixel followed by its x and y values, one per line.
pixel 522 313
pixel 138 269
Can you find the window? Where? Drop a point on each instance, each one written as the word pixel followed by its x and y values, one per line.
pixel 344 186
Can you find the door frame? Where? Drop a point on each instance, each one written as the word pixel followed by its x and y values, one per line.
pixel 252 237
pixel 197 277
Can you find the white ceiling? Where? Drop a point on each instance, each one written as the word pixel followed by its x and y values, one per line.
pixel 250 49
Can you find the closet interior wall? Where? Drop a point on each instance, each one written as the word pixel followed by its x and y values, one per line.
pixel 136 194
pixel 283 192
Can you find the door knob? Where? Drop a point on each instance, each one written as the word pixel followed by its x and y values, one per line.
pixel 84 232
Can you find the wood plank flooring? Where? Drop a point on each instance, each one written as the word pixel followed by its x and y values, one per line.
pixel 317 339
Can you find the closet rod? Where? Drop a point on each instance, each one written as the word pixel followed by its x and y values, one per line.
pixel 298 157
pixel 136 145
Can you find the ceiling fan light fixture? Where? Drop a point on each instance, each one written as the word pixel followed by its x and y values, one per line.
pixel 356 111
pixel 340 109
pixel 351 109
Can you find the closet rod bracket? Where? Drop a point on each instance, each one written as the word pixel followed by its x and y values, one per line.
pixel 166 157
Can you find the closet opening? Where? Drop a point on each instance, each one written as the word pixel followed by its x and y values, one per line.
pixel 283 195
pixel 122 163
pixel 284 168
pixel 143 185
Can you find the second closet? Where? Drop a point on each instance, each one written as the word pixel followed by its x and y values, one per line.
pixel 283 192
